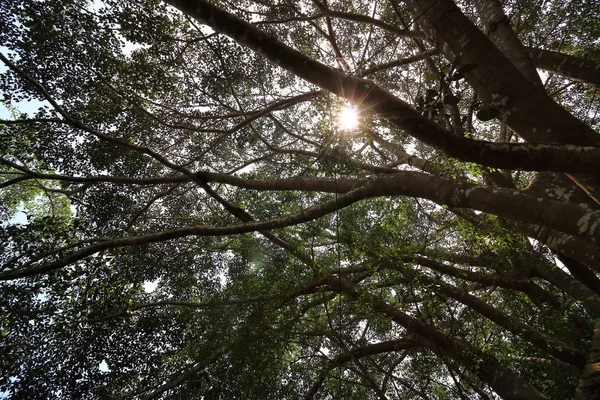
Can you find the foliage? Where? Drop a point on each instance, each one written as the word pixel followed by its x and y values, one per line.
pixel 448 240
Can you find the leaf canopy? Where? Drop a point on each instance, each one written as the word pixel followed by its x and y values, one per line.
pixel 183 215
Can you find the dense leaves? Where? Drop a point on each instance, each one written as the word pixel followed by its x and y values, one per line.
pixel 184 213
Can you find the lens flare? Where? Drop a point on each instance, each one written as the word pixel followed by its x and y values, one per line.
pixel 348 118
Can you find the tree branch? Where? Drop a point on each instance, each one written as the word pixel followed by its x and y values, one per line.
pixel 568 218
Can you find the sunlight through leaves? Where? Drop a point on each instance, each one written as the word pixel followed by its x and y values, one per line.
pixel 348 118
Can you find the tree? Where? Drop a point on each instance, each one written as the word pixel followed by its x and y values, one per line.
pixel 445 247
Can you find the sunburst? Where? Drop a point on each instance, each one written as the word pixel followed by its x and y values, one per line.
pixel 348 118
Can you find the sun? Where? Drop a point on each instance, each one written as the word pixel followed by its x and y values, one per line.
pixel 348 117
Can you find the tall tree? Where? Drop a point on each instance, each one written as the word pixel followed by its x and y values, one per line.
pixel 300 199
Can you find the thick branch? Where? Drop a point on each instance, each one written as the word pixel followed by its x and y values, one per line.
pixel 575 68
pixel 589 384
pixel 524 108
pixel 500 32
pixel 568 218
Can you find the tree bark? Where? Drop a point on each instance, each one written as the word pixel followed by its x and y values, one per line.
pixel 524 108
pixel 576 68
pixel 578 249
pixel 499 31
pixel 589 384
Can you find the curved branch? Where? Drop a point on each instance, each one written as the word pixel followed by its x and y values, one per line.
pixel 554 347
pixel 360 352
pixel 564 243
pixel 531 289
pixel 371 21
pixel 569 218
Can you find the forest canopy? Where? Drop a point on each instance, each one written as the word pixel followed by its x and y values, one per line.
pixel 313 199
